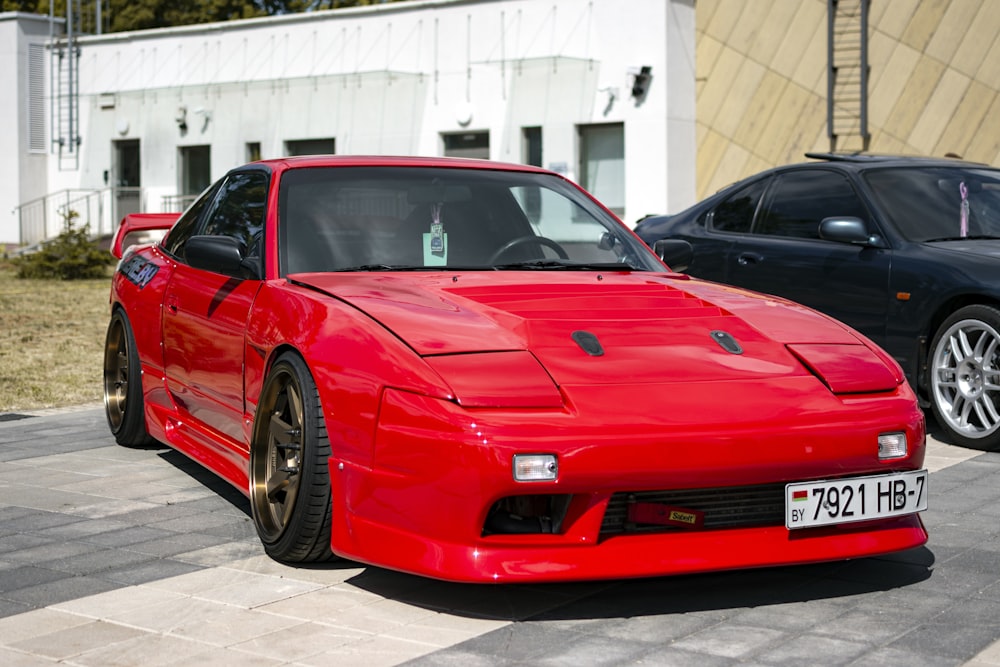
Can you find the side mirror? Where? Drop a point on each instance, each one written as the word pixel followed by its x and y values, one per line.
pixel 220 254
pixel 845 230
pixel 675 253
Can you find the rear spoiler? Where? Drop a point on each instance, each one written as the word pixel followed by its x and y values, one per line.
pixel 136 223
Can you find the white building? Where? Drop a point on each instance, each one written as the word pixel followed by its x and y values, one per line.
pixel 600 90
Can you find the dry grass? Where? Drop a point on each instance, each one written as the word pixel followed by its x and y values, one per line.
pixel 51 341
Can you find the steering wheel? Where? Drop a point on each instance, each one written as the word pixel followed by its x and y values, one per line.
pixel 531 239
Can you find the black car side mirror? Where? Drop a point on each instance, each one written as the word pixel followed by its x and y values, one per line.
pixel 675 253
pixel 845 230
pixel 220 254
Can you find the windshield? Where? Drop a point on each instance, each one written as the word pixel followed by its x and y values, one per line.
pixel 426 218
pixel 939 203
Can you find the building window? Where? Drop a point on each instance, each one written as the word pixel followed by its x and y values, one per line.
pixel 196 170
pixel 467 144
pixel 310 147
pixel 602 163
pixel 531 146
pixel 253 151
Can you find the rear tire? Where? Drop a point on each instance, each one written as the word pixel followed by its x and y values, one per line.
pixel 289 480
pixel 124 405
pixel 965 377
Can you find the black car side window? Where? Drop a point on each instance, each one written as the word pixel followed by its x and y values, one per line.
pixel 187 226
pixel 799 200
pixel 735 214
pixel 239 210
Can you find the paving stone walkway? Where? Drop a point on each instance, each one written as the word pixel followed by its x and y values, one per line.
pixel 114 556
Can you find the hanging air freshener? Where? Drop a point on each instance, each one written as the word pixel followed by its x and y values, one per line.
pixel 963 228
pixel 437 230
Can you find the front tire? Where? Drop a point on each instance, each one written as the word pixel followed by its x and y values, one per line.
pixel 289 481
pixel 123 399
pixel 965 377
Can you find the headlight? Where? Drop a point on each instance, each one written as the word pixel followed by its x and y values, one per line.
pixel 848 369
pixel 497 380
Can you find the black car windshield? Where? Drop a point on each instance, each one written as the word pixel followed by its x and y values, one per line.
pixel 939 203
pixel 399 218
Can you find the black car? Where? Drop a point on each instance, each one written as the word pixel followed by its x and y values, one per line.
pixel 904 249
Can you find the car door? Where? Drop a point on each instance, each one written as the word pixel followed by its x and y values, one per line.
pixel 205 313
pixel 784 254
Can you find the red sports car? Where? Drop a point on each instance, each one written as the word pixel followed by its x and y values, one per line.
pixel 473 371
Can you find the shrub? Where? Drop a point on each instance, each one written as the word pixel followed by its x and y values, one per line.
pixel 72 255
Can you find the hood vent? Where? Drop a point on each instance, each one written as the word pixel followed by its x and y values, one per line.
pixel 588 343
pixel 728 343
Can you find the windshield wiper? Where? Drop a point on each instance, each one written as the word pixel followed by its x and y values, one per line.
pixel 978 237
pixel 380 267
pixel 546 264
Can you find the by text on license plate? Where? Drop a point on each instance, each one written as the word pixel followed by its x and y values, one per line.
pixel 854 499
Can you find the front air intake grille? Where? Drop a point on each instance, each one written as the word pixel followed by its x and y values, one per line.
pixel 727 507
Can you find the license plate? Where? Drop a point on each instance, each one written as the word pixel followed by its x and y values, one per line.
pixel 856 499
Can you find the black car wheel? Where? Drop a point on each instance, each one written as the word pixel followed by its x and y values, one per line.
pixel 965 377
pixel 123 401
pixel 289 482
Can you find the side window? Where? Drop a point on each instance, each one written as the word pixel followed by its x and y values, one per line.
pixel 238 211
pixel 799 200
pixel 735 214
pixel 187 225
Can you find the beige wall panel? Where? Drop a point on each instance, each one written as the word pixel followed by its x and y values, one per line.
pixel 938 111
pixel 808 134
pixel 985 145
pixel 886 143
pixel 711 147
pixel 981 37
pixel 989 71
pixel 896 16
pixel 966 123
pixel 724 19
pixel 713 97
pixel 917 92
pixel 810 72
pixel 785 127
pixel 731 168
pixel 736 99
pixel 762 107
pixel 881 48
pixel 746 33
pixel 703 12
pixel 801 31
pixel 707 53
pixel 951 31
pixel 890 82
pixel 925 21
pixel 774 31
pixel 754 165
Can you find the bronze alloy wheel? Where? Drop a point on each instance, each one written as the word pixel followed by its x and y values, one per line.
pixel 123 401
pixel 116 365
pixel 277 472
pixel 289 482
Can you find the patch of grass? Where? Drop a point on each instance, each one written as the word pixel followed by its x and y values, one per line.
pixel 51 341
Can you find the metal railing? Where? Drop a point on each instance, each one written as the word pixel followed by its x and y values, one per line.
pixel 46 217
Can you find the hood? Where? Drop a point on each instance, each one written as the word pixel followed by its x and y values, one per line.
pixel 988 248
pixel 588 328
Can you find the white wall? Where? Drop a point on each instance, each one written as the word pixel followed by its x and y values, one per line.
pixel 389 79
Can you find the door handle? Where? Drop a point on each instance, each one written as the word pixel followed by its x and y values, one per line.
pixel 171 302
pixel 749 258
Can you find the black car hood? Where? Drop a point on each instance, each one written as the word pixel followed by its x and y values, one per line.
pixel 978 247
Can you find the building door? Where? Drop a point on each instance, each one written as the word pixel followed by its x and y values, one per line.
pixel 125 185
pixel 195 173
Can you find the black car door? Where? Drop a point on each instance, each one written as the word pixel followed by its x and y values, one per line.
pixel 784 254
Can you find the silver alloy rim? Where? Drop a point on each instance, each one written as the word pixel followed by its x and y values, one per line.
pixel 116 376
pixel 966 379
